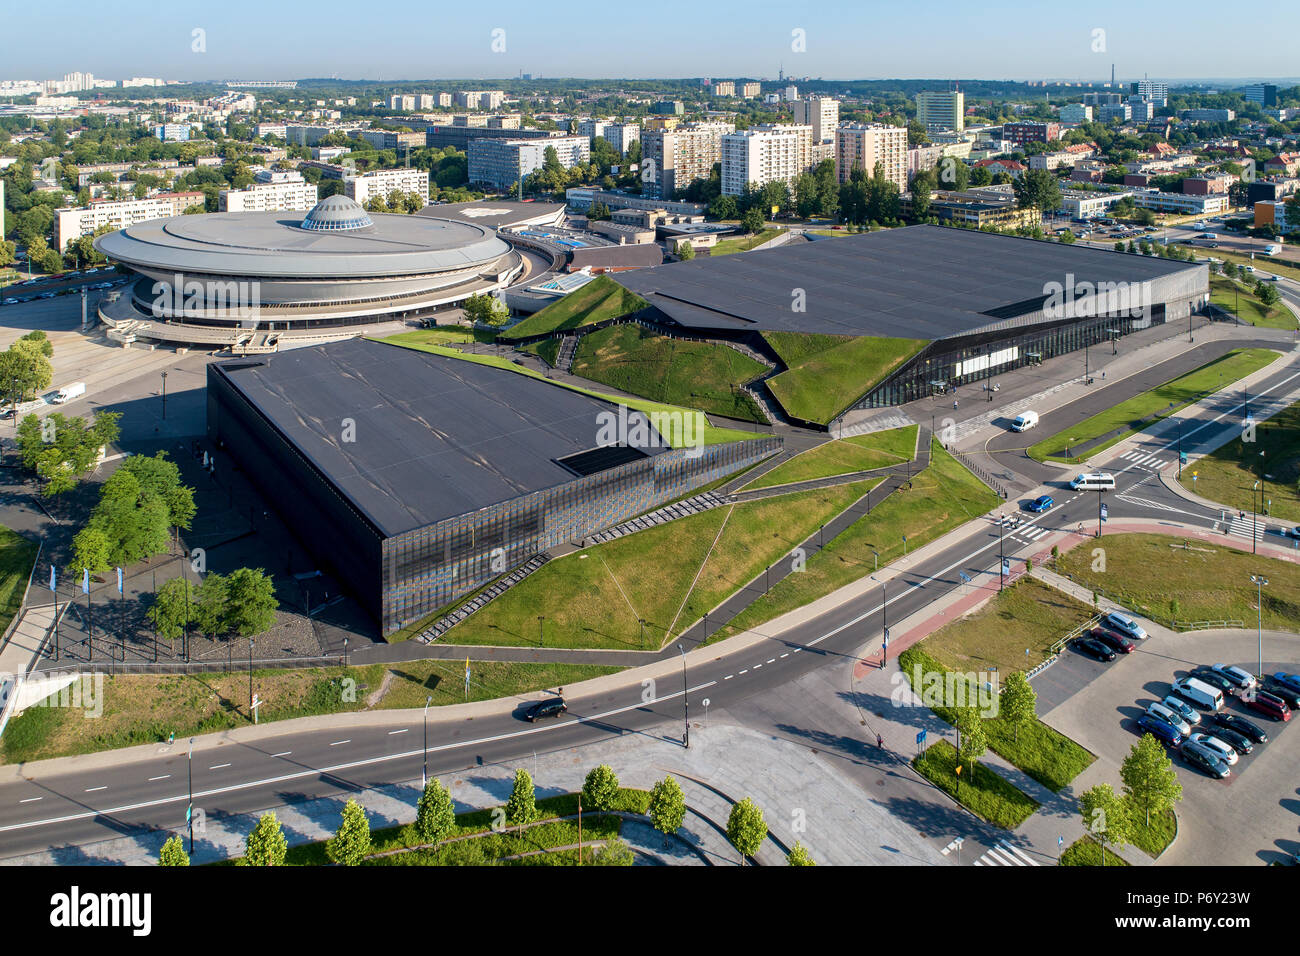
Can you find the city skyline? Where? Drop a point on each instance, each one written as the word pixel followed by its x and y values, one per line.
pixel 835 42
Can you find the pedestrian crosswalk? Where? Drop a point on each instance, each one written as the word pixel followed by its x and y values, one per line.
pixel 1247 527
pixel 1004 854
pixel 1031 533
pixel 1144 459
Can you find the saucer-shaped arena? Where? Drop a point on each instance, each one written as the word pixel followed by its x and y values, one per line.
pixel 257 280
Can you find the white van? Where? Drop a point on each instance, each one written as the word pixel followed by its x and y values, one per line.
pixel 69 392
pixel 1272 249
pixel 1024 421
pixel 1095 481
pixel 1199 693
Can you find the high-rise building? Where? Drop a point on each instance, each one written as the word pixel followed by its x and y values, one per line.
pixel 500 163
pixel 1141 109
pixel 1102 99
pixel 941 110
pixel 271 192
pixel 120 213
pixel 750 90
pixel 822 113
pixel 763 154
pixel 866 144
pixel 1076 113
pixel 1265 94
pixel 1156 92
pixel 1031 132
pixel 724 88
pixel 381 182
pixel 622 135
pixel 674 158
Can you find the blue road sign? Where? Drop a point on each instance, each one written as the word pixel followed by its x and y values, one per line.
pixel 964 577
pixel 920 737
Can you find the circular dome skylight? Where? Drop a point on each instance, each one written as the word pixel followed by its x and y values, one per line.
pixel 337 213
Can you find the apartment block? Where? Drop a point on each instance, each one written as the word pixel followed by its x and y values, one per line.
pixel 866 144
pixel 273 192
pixel 1141 109
pixel 1265 94
pixel 1076 113
pixel 622 135
pixel 1030 132
pixel 750 90
pixel 381 182
pixel 821 113
pixel 674 158
pixel 406 102
pixel 724 88
pixel 172 132
pixel 500 163
pixel 480 99
pixel 1153 90
pixel 269 129
pixel 764 154
pixel 119 213
pixel 391 139
pixel 941 110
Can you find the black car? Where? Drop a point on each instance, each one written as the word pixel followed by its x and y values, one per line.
pixel 1216 680
pixel 551 707
pixel 1094 649
pixel 1238 742
pixel 1204 759
pixel 1241 726
pixel 1285 691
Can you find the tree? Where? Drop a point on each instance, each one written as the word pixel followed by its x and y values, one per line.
pixel 521 808
pixel 171 608
pixel 1037 189
pixel 799 856
pixel 685 251
pixel 1019 702
pixel 173 853
pixel 974 741
pixel 1150 782
pixel 600 789
pixel 266 845
pixel 90 550
pixel 922 186
pixel 724 207
pixel 486 309
pixel 350 843
pixel 667 807
pixel 614 853
pixel 435 816
pixel 1106 817
pixel 1267 293
pixel 250 602
pixel 1119 245
pixel 208 608
pixel 752 221
pixel 746 828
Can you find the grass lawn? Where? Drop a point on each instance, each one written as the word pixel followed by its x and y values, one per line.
pixel 1027 615
pixel 697 374
pixel 1155 839
pixel 1228 475
pixel 548 350
pixel 598 300
pixel 1209 583
pixel 844 456
pixel 726 247
pixel 140 709
pixel 668 575
pixel 1128 415
pixel 944 496
pixel 828 373
pixel 1262 263
pixel 712 434
pixel 1086 851
pixel 984 793
pixel 443 335
pixel 1247 306
pixel 1043 753
pixel 484 845
pixel 16 557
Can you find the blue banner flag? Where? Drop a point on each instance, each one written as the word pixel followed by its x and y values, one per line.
pixel 85 580
pixel 119 580
pixel 53 581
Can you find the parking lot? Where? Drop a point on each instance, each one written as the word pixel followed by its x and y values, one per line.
pixel 1252 816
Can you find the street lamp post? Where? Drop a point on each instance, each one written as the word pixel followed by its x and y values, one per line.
pixel 1254 521
pixel 686 703
pixel 164 396
pixel 189 807
pixel 1259 581
pixel 1002 527
pixel 424 776
pixel 250 675
pixel 1180 449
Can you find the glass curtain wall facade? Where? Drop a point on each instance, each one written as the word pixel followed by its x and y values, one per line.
pixel 428 568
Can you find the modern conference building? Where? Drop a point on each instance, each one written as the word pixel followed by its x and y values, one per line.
pixel 252 282
pixel 416 478
pixel 980 303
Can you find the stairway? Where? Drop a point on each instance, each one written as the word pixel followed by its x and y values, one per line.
pixel 443 625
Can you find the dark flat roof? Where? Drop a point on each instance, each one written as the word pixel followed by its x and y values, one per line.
pixel 495 214
pixel 918 282
pixel 435 437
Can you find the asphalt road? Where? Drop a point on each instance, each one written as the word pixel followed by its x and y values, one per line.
pixel 66 810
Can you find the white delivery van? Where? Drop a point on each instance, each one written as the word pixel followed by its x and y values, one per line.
pixel 1272 249
pixel 69 392
pixel 1095 481
pixel 1199 693
pixel 1024 421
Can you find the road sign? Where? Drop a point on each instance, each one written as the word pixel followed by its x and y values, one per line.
pixel 1060 842
pixel 1105 512
pixel 1006 565
pixel 920 737
pixel 965 578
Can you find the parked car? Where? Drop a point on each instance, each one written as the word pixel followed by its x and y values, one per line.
pixel 551 707
pixel 1039 505
pixel 1216 680
pixel 1094 649
pixel 1116 642
pixel 1199 694
pixel 1241 726
pixel 1292 532
pixel 1182 709
pixel 1161 712
pixel 1242 678
pixel 1166 733
pixel 1262 702
pixel 11 301
pixel 46 295
pixel 1203 758
pixel 1288 694
pixel 1289 680
pixel 1238 742
pixel 1220 747
pixel 1118 621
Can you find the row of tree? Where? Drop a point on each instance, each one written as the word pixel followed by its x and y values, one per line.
pixel 61 451
pixel 242 602
pixel 139 505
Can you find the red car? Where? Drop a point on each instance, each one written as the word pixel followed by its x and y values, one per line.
pixel 1265 703
pixel 1113 639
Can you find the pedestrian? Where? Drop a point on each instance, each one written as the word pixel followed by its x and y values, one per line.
pixel 954 404
pixel 1103 375
pixel 880 742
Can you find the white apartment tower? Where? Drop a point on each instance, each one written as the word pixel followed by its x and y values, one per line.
pixel 763 154
pixel 941 110
pixel 822 113
pixel 866 144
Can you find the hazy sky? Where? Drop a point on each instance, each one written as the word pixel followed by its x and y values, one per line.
pixel 401 39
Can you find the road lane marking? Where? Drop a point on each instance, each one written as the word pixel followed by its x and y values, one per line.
pixel 402 731
pixel 220 766
pixel 282 753
pixel 31 799
pixel 93 789
pixel 337 742
pixel 163 777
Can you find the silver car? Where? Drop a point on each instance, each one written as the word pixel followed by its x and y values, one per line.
pixel 1242 678
pixel 1182 709
pixel 1223 750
